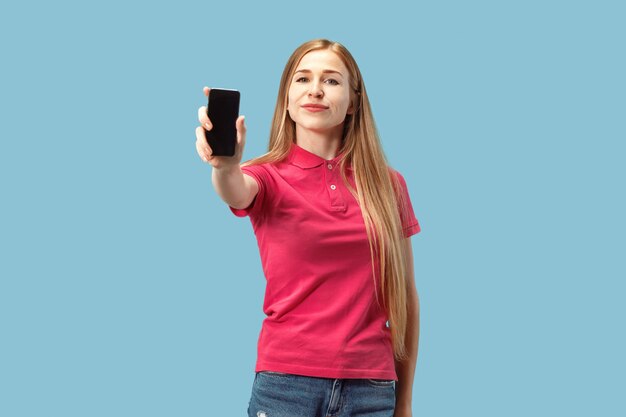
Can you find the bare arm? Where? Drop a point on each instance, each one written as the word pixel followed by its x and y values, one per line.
pixel 406 369
pixel 234 187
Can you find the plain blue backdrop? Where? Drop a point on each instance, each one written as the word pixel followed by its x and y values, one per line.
pixel 129 289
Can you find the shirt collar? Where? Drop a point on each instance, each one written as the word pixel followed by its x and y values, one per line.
pixel 302 158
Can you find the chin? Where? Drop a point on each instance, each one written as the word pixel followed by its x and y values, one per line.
pixel 317 125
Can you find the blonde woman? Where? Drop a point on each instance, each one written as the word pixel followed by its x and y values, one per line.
pixel 333 223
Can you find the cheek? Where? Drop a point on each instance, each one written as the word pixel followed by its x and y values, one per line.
pixel 292 96
pixel 290 102
pixel 343 101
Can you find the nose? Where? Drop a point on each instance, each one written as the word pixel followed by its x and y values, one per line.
pixel 316 89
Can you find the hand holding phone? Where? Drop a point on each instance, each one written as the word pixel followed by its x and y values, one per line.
pixel 221 137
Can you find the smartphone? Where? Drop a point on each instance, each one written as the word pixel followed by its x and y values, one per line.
pixel 223 110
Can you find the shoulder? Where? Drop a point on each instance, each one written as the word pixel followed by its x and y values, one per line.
pixel 397 179
pixel 261 164
pixel 259 168
pixel 266 174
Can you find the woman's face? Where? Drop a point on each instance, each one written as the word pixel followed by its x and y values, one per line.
pixel 319 93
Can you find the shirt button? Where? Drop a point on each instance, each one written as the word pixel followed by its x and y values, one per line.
pixel 332 187
pixel 330 166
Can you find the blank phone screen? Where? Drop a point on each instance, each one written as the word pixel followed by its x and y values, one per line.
pixel 223 110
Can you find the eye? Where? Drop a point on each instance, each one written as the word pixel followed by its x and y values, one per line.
pixel 301 79
pixel 332 81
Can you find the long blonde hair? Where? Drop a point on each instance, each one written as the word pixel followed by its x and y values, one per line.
pixel 377 187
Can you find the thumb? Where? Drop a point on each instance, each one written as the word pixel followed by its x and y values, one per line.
pixel 241 130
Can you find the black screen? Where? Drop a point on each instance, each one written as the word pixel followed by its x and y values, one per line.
pixel 223 110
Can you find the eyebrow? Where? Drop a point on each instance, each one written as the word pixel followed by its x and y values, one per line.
pixel 326 71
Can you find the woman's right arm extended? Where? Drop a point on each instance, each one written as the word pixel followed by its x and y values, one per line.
pixel 231 184
pixel 234 187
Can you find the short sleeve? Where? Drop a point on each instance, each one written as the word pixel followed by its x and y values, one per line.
pixel 260 175
pixel 410 225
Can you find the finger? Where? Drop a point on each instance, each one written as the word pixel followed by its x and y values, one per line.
pixel 201 140
pixel 204 119
pixel 203 155
pixel 202 146
pixel 206 91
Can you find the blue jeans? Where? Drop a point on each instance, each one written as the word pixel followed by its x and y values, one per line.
pixel 276 394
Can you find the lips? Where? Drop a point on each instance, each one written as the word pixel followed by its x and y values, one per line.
pixel 314 107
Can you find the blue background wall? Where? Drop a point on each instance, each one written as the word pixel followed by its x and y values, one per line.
pixel 128 289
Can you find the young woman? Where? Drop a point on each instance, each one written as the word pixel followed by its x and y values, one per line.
pixel 333 223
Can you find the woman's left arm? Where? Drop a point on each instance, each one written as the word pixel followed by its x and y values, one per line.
pixel 406 369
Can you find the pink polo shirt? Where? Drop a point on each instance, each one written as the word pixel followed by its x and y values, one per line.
pixel 323 319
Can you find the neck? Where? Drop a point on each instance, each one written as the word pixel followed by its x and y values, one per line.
pixel 324 144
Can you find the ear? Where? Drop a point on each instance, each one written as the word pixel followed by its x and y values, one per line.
pixel 355 97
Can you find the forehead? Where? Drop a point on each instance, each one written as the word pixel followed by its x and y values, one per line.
pixel 322 60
